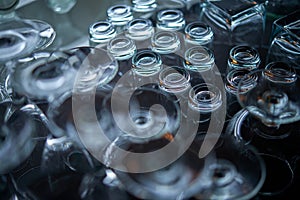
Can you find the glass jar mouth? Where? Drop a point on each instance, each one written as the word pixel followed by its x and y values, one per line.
pixel 144 5
pixel 205 97
pixel 102 30
pixel 165 42
pixel 280 72
pixel 139 29
pixel 244 57
pixel 121 47
pixel 170 19
pixel 235 76
pixel 119 14
pixel 198 32
pixel 174 79
pixel 146 63
pixel 199 58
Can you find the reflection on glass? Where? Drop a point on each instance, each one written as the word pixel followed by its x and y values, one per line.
pixel 235 22
pixel 165 42
pixel 198 33
pixel 121 48
pixel 274 99
pixel 170 20
pixel 243 57
pixel 101 32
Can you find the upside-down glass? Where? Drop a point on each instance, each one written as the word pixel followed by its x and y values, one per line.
pixel 274 99
pixel 235 22
pixel 20 37
pixel 46 75
pixel 285 40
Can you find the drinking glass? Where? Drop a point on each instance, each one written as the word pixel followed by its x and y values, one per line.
pixel 20 37
pixel 285 40
pixel 235 22
pixel 47 75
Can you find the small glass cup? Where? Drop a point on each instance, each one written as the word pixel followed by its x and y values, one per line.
pixel 243 57
pixel 101 32
pixel 170 20
pixel 198 33
pixel 121 48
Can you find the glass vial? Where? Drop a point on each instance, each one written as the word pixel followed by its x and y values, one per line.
pixel 101 32
pixel 243 57
pixel 198 33
pixel 165 42
pixel 233 79
pixel 144 5
pixel 146 63
pixel 170 20
pixel 200 62
pixel 140 30
pixel 121 48
pixel 119 15
pixel 204 99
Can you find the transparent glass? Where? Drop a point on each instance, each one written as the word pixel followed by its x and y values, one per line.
pixel 61 6
pixel 144 5
pixel 121 48
pixel 119 15
pixel 139 29
pixel 101 32
pixel 232 85
pixel 16 140
pixel 243 57
pixel 204 99
pixel 285 40
pixel 170 20
pixel 165 42
pixel 199 59
pixel 235 22
pixel 45 76
pixel 174 80
pixel 146 63
pixel 198 33
pixel 274 99
pixel 275 146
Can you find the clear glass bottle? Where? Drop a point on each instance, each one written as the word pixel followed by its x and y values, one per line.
pixel 167 44
pixel 119 15
pixel 144 8
pixel 200 62
pixel 140 30
pixel 235 22
pixel 100 33
pixel 170 20
pixel 198 33
pixel 121 47
pixel 204 99
pixel 233 79
pixel 243 57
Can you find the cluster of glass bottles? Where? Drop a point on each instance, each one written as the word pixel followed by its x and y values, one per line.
pixel 194 74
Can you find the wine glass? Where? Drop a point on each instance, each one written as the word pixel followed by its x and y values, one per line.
pixel 218 175
pixel 274 100
pixel 20 37
pixel 46 75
